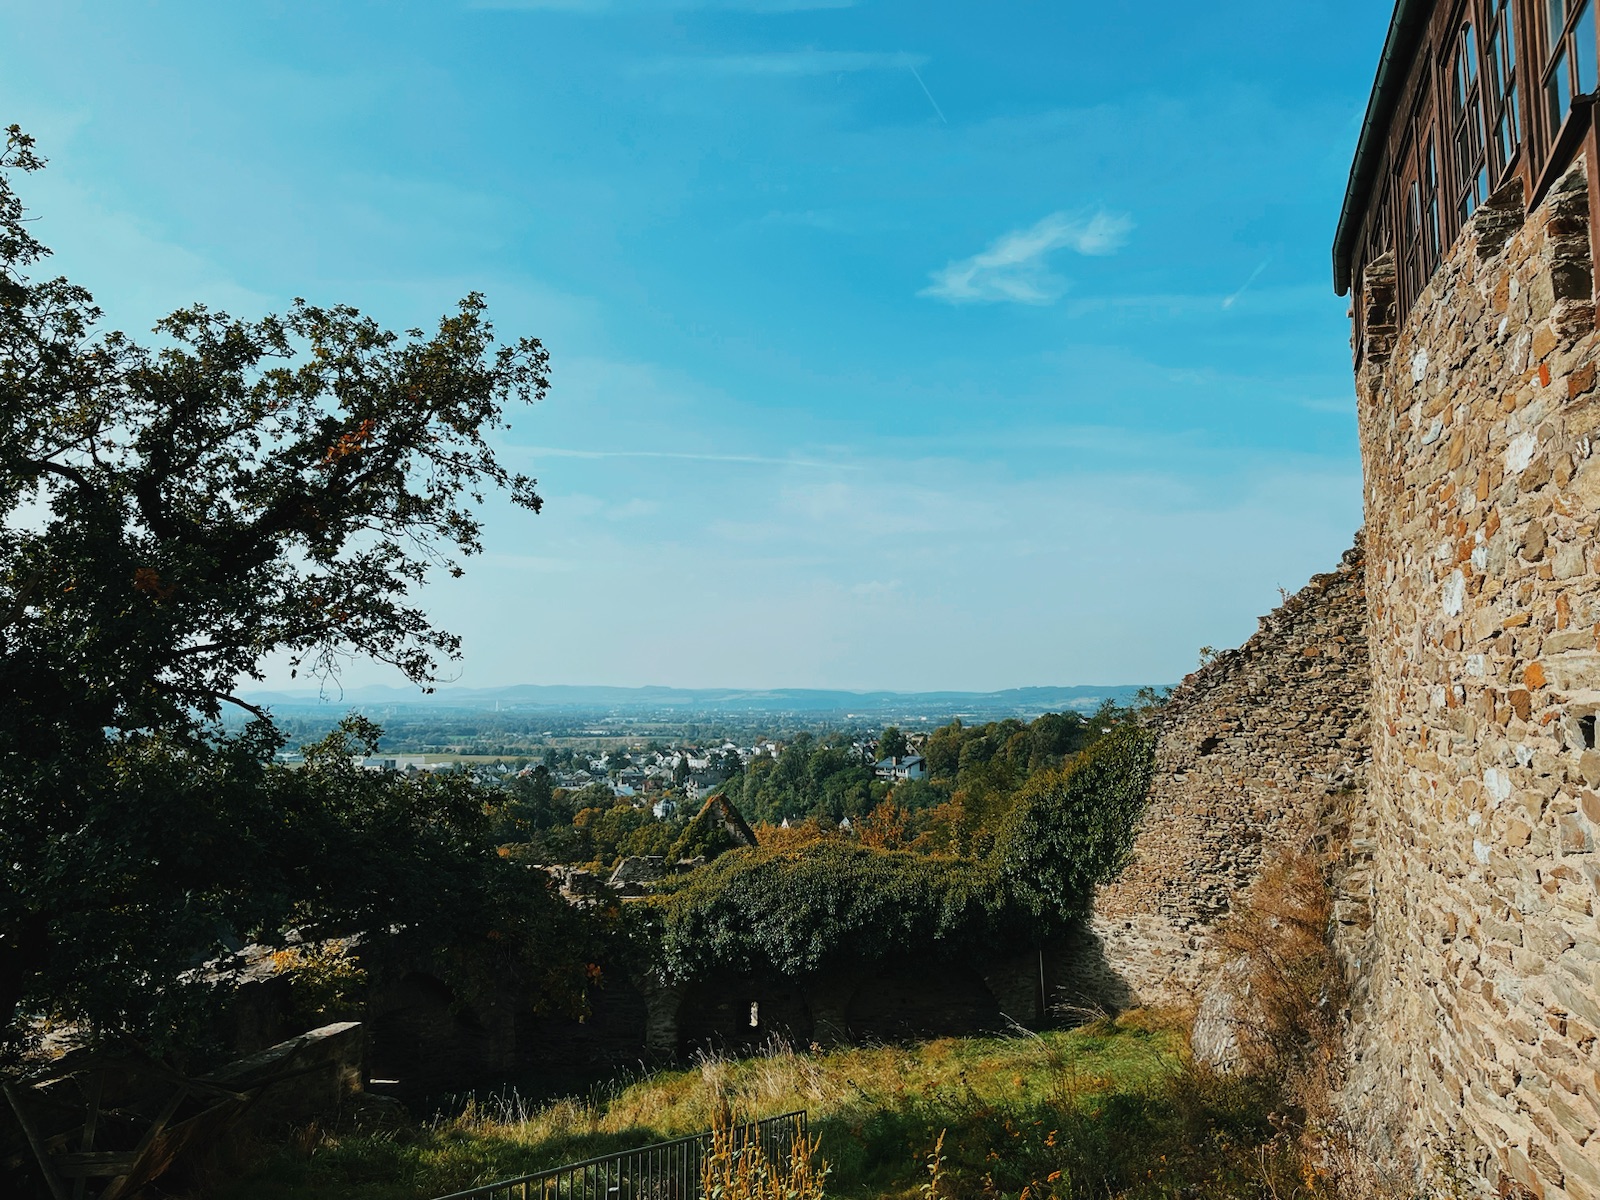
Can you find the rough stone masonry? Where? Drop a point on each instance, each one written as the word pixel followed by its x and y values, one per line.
pixel 1478 419
pixel 1250 748
pixel 1468 900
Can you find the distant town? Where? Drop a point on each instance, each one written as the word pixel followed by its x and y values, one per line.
pixel 653 776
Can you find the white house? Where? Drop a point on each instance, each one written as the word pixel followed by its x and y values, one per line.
pixel 913 766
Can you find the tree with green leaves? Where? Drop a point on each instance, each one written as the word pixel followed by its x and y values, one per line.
pixel 892 744
pixel 169 517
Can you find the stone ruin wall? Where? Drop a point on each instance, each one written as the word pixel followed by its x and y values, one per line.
pixel 1251 747
pixel 1479 419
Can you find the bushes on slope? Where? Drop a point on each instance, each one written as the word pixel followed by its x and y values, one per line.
pixel 798 909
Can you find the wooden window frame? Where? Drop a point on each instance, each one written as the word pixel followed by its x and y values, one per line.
pixel 1559 56
pixel 1467 130
pixel 1505 99
pixel 1410 261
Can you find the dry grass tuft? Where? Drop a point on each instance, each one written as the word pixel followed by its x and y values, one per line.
pixel 738 1168
pixel 1288 1004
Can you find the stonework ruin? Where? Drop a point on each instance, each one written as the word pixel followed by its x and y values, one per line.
pixel 1251 747
pixel 1467 871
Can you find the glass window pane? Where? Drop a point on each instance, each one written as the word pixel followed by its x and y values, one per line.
pixel 1431 202
pixel 1558 22
pixel 1505 130
pixel 1583 49
pixel 1501 75
pixel 1558 92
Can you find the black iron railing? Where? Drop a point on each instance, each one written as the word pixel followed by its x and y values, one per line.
pixel 668 1171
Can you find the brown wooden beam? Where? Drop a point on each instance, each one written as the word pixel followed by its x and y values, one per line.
pixel 58 1189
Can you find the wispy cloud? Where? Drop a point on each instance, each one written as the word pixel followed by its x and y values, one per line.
pixel 630 6
pixel 563 452
pixel 795 63
pixel 1016 267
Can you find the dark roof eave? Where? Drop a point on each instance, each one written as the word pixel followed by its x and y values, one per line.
pixel 1405 30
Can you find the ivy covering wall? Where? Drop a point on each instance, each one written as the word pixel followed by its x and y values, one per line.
pixel 787 910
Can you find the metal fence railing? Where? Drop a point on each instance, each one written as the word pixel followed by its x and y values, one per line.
pixel 668 1171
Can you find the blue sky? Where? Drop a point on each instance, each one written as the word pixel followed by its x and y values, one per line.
pixel 897 343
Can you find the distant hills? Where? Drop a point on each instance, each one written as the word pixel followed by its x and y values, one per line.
pixel 576 699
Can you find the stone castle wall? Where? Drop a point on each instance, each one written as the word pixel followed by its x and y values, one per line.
pixel 1432 718
pixel 1479 422
pixel 1250 748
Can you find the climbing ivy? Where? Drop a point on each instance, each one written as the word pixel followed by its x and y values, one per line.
pixel 1073 828
pixel 793 910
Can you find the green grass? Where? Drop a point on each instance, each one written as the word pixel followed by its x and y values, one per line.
pixel 1109 1110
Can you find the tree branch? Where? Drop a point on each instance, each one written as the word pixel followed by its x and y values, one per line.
pixel 20 606
pixel 259 712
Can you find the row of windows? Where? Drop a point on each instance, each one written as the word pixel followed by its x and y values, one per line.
pixel 1478 93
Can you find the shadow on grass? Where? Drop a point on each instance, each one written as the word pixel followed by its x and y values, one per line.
pixel 1178 1134
pixel 1110 1111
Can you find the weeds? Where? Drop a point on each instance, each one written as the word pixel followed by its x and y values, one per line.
pixel 1286 1003
pixel 933 1189
pixel 738 1168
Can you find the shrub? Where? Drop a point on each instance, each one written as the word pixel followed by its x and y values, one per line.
pixel 1286 988
pixel 1073 827
pixel 795 911
pixel 807 904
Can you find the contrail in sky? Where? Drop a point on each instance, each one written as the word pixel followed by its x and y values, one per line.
pixel 1254 275
pixel 929 95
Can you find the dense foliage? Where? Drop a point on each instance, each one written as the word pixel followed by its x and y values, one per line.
pixel 794 911
pixel 1073 827
pixel 168 518
pixel 803 904
pixel 822 777
pixel 975 774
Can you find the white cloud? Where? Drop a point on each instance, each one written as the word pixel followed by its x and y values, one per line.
pixel 1016 267
pixel 1067 575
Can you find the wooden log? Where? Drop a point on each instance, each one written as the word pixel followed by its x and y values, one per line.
pixel 52 1180
pixel 91 1119
pixel 94 1164
pixel 119 1186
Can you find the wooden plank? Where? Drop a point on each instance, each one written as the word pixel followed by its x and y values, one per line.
pixel 119 1185
pixel 51 1179
pixel 94 1164
pixel 91 1119
pixel 202 1129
